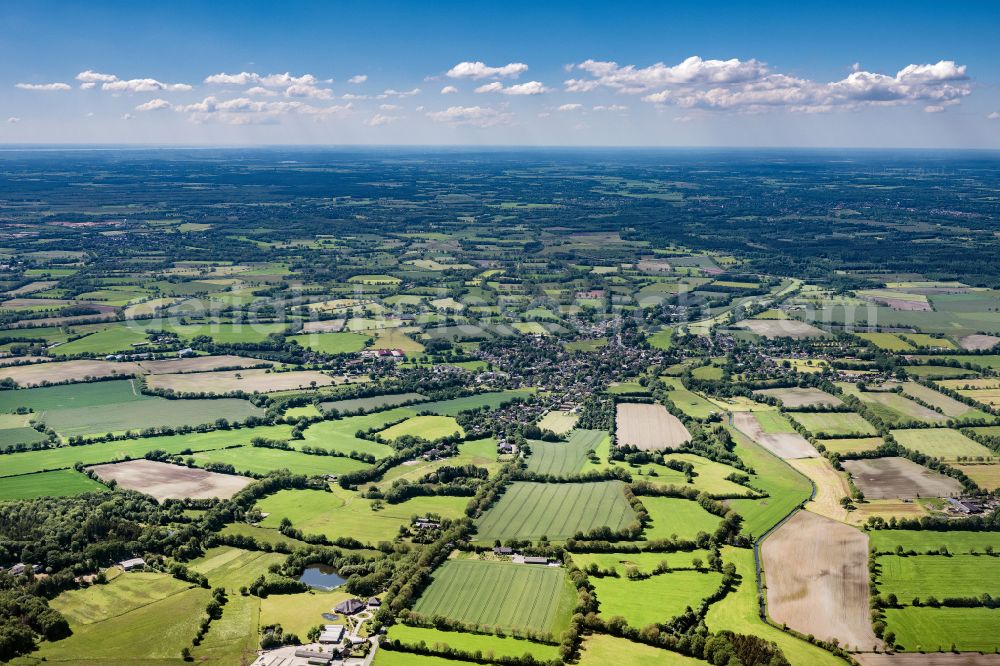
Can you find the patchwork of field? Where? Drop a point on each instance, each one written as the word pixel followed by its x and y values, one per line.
pixel 372 403
pixel 231 568
pixel 430 428
pixel 649 427
pixel 817 579
pixel 986 476
pixel 673 517
pixel 689 402
pixel 782 328
pixel 940 576
pixel 341 434
pixel 782 444
pixel 59 483
pixel 891 478
pixel 892 407
pixel 656 599
pixel 166 481
pixel 56 372
pixel 801 397
pixel 562 458
pixel 512 596
pixel 498 646
pixel 949 406
pixel 558 422
pixel 886 341
pixel 942 443
pixel 342 513
pixel 833 423
pixel 709 476
pixel 332 343
pixel 850 445
pixel 556 510
pixel 261 460
pixel 248 381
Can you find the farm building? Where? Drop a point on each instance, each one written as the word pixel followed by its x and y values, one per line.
pixel 503 550
pixel 132 564
pixel 374 602
pixel 332 634
pixel 349 607
pixel 314 657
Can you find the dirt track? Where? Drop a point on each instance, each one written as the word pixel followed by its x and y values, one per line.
pixel 782 444
pixel 816 571
pixel 649 427
pixel 166 481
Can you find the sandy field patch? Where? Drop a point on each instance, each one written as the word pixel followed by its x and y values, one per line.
pixel 802 397
pixel 978 342
pixel 817 579
pixel 328 326
pixel 831 485
pixel 929 659
pixel 249 381
pixel 199 364
pixel 649 427
pixel 781 328
pixel 166 481
pixel 899 478
pixel 66 371
pixel 785 445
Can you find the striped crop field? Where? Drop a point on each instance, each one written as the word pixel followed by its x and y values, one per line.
pixel 556 510
pixel 512 596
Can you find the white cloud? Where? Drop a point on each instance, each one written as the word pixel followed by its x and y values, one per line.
pixel 934 108
pixel 154 105
pixel 13 120
pixel 480 70
pixel 570 107
pixel 449 90
pixel 246 111
pixel 352 96
pixel 610 107
pixel 127 116
pixel 358 78
pixel 390 107
pixel 398 93
pixel 262 91
pixel 994 116
pixel 379 120
pixel 90 76
pixel 47 87
pixel 143 85
pixel 241 79
pixel 528 88
pixel 751 86
pixel 88 85
pixel 475 116
pixel 307 90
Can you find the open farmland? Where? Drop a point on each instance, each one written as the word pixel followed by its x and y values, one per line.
pixel 492 400
pixel 782 328
pixel 556 510
pixel 671 516
pixel 166 481
pixel 58 483
pixel 831 486
pixel 949 406
pixel 561 458
pixel 937 629
pixel 940 576
pixel 558 422
pixel 833 423
pixel 332 343
pixel 894 408
pixel 956 541
pixel 689 402
pixel 430 428
pixel 891 478
pixel 801 397
pixel 649 427
pixel 262 460
pixel 851 444
pixel 781 444
pixel 656 599
pixel 942 443
pixel 372 403
pixel 248 381
pixel 512 596
pixel 817 579
pixel 56 372
pixel 507 646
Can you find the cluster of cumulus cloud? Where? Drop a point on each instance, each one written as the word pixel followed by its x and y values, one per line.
pixel 734 85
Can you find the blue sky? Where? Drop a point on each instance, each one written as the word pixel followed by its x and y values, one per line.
pixel 914 74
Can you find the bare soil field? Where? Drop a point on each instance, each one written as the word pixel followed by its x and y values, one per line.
pixel 649 427
pixel 831 485
pixel 886 509
pixel 978 342
pixel 802 397
pixel 785 445
pixel 199 364
pixel 328 326
pixel 32 287
pixel 929 659
pixel 249 381
pixel 781 328
pixel 816 571
pixel 66 371
pixel 899 478
pixel 166 481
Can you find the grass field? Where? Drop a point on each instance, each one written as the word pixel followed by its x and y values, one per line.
pixel 661 339
pixel 558 422
pixel 785 486
pixel 601 650
pixel 298 613
pixel 499 646
pixel 331 343
pixel 114 338
pixel 937 629
pixel 561 458
pixel 893 408
pixel 430 428
pixel 373 402
pixel 394 338
pixel 232 568
pixel 689 402
pixel 949 406
pixel 259 460
pixel 936 575
pixel 672 516
pixel 260 534
pixel 122 593
pixel 941 443
pixel 60 483
pixel 738 612
pixel 656 599
pixel 343 513
pixel 556 510
pixel 64 457
pixel 920 541
pixel 773 422
pixel 710 476
pixel 851 444
pixel 834 423
pixel 340 434
pixel 644 562
pixel 248 381
pixel 491 400
pixel 512 596
pixel 886 341
pixel 986 477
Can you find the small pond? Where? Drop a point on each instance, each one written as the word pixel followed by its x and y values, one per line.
pixel 321 577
